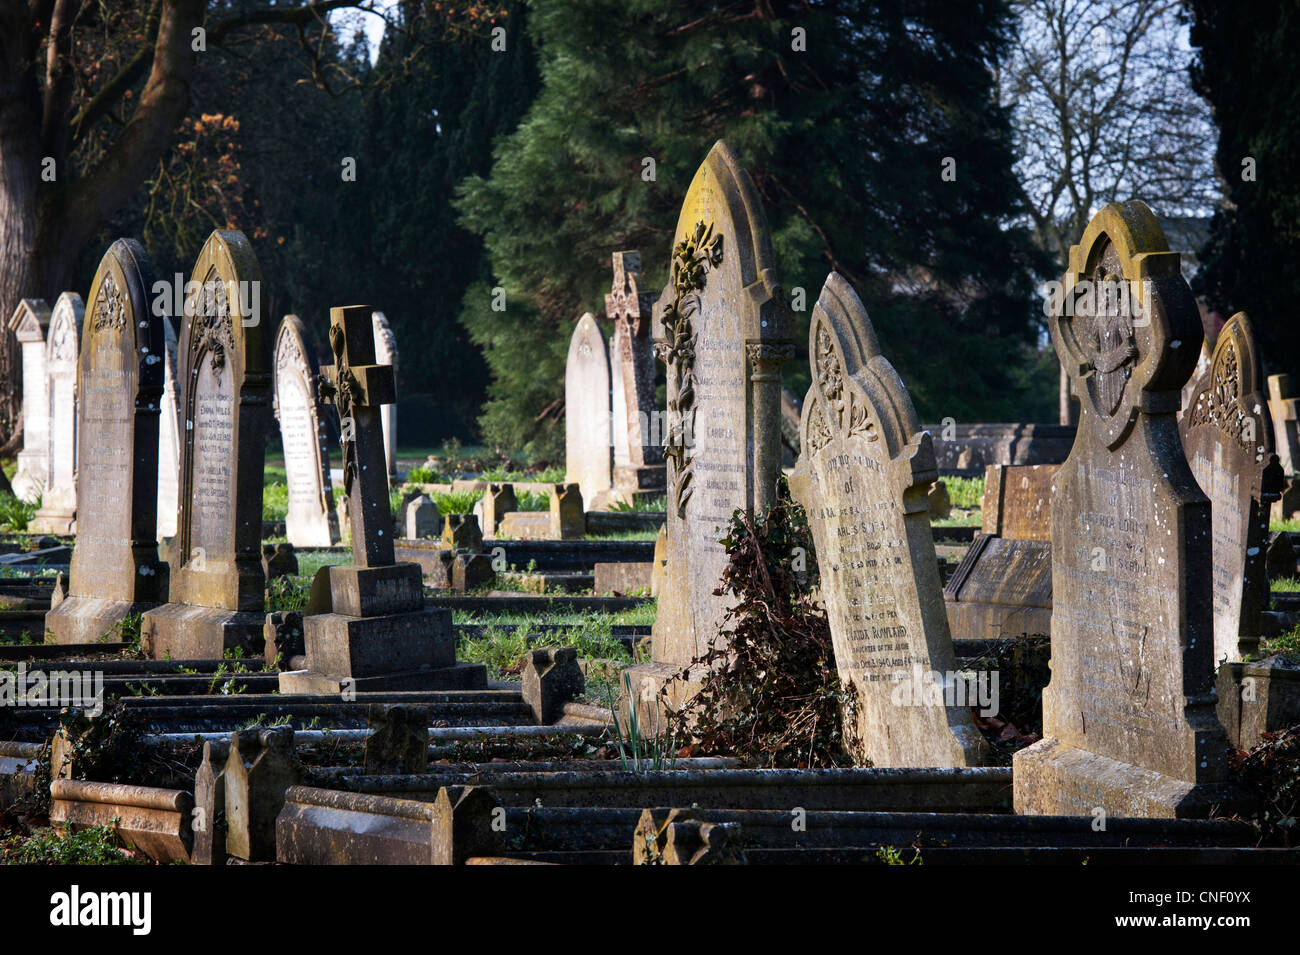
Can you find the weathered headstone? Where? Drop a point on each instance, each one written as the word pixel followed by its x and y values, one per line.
pixel 586 410
pixel 377 633
pixel 568 518
pixel 29 323
pixel 422 518
pixel 638 455
pixel 58 513
pixel 310 520
pixel 1128 718
pixel 498 501
pixel 1003 585
pixel 1228 439
pixel 217 582
pixel 169 439
pixel 722 329
pixel 115 569
pixel 863 478
pixel 386 354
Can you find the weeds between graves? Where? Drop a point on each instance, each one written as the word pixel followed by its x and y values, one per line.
pixel 94 845
pixel 965 493
pixel 287 593
pixel 642 505
pixel 1271 770
pixel 637 750
pixel 771 694
pixel 1285 585
pixel 1021 666
pixel 1285 644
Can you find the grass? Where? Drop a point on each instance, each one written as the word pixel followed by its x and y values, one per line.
pixel 965 492
pixel 275 501
pixel 1286 585
pixel 15 513
pixel 646 535
pixel 653 505
pixel 1291 525
pixel 310 561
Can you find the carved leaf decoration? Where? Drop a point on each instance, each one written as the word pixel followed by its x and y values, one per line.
pixel 693 257
pixel 1219 404
pixel 819 433
pixel 212 329
pixel 849 412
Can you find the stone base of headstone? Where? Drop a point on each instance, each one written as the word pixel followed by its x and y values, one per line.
pixel 1050 778
pixel 458 676
pixel 89 619
pixel 52 523
pixel 375 591
pixel 525 525
pixel 185 632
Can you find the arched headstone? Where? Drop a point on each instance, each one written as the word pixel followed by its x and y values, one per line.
pixel 115 567
pixel 863 478
pixel 311 521
pixel 722 329
pixel 217 581
pixel 1228 438
pixel 29 323
pixel 587 447
pixel 1129 725
pixel 58 513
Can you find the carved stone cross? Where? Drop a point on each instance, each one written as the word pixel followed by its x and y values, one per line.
pixel 357 386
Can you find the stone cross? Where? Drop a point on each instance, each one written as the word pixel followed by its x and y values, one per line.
pixel 357 386
pixel 630 309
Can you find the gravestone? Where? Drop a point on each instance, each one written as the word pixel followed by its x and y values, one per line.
pixel 422 518
pixel 568 518
pixel 376 633
pixel 169 439
pixel 1228 438
pixel 864 478
pixel 29 323
pixel 1189 391
pixel 1129 721
pixel 498 501
pixel 386 354
pixel 586 410
pixel 1284 410
pixel 310 520
pixel 115 569
pixel 638 454
pixel 217 583
pixel 1003 585
pixel 722 330
pixel 58 512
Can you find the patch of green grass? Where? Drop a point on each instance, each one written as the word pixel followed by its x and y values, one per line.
pixel 15 513
pixel 1291 525
pixel 456 502
pixel 1287 644
pixel 288 593
pixel 645 535
pixel 275 501
pixel 531 501
pixel 310 561
pixel 1288 585
pixel 965 492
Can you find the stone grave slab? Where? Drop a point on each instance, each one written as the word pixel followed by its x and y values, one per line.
pixel 115 570
pixel 58 512
pixel 29 323
pixel 311 520
pixel 587 439
pixel 217 583
pixel 722 330
pixel 1129 719
pixel 1228 439
pixel 864 478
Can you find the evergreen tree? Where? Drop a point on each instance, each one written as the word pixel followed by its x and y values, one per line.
pixel 845 128
pixel 1248 73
